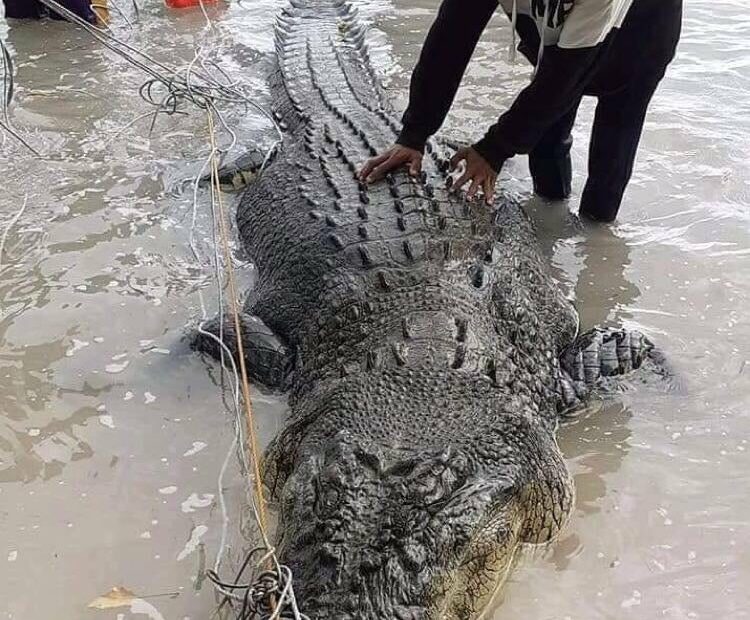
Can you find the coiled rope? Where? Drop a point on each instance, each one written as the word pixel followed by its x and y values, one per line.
pixel 169 88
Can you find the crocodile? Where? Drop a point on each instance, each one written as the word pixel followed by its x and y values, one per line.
pixel 427 351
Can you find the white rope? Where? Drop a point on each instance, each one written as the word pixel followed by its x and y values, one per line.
pixel 513 34
pixel 272 595
pixel 279 580
pixel 10 225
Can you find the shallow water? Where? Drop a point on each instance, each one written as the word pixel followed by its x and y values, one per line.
pixel 112 433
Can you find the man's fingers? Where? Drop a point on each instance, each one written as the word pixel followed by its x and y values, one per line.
pixel 462 180
pixel 489 190
pixel 415 166
pixel 377 167
pixel 368 167
pixel 384 168
pixel 371 163
pixel 459 157
pixel 473 188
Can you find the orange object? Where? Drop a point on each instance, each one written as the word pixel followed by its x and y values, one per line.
pixel 183 4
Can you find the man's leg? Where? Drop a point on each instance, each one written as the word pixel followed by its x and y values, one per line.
pixel 549 162
pixel 618 124
pixel 636 63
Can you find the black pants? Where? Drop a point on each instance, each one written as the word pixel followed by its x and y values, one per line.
pixel 31 9
pixel 624 84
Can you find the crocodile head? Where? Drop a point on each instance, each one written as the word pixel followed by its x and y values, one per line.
pixel 383 533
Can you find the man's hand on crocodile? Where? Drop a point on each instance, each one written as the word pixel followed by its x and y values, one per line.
pixel 395 157
pixel 477 171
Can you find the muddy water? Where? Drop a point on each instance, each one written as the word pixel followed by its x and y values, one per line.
pixel 112 433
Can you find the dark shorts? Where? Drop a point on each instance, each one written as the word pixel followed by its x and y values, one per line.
pixel 31 9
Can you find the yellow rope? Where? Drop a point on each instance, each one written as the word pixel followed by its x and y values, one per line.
pixel 101 10
pixel 252 446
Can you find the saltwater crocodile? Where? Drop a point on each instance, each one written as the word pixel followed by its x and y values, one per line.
pixel 427 351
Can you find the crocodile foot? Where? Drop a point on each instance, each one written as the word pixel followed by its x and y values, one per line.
pixel 267 359
pixel 599 360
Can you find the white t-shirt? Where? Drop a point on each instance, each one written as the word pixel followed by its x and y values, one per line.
pixel 578 24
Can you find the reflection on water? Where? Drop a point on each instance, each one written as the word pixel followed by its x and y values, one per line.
pixel 602 287
pixel 592 261
pixel 112 432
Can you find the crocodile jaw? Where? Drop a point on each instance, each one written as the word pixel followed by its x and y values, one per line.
pixel 372 532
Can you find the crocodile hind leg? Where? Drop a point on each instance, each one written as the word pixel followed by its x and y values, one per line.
pixel 599 360
pixel 267 359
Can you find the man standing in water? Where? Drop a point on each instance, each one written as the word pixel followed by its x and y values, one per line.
pixel 615 50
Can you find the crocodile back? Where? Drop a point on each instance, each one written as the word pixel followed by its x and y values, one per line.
pixel 399 275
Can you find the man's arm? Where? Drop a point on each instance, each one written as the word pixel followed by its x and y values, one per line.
pixel 558 85
pixel 562 76
pixel 442 63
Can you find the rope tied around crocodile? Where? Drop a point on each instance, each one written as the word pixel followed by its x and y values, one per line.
pixel 270 595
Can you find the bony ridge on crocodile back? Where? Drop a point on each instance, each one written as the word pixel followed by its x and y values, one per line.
pixel 427 352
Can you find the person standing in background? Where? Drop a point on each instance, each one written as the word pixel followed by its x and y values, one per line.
pixel 31 9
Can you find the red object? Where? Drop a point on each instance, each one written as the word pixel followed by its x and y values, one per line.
pixel 183 4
